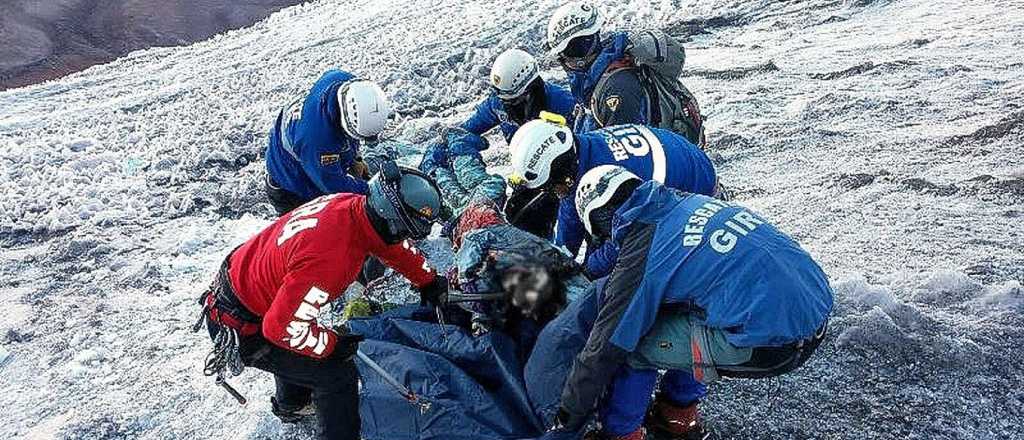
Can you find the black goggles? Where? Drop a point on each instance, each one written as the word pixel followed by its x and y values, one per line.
pixel 417 225
pixel 580 52
pixel 517 100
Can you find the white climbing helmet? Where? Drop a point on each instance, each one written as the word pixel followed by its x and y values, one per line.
pixel 596 189
pixel 534 148
pixel 364 108
pixel 512 73
pixel 572 20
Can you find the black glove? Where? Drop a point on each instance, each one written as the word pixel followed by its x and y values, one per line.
pixel 435 293
pixel 348 343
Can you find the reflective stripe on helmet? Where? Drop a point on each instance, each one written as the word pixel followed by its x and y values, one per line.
pixel 596 189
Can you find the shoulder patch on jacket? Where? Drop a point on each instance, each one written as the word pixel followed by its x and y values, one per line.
pixel 329 159
pixel 613 102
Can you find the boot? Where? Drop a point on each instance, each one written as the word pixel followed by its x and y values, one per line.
pixel 289 414
pixel 669 421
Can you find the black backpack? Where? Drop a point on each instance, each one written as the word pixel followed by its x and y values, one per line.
pixel 659 59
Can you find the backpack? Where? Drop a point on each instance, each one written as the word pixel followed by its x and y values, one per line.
pixel 660 59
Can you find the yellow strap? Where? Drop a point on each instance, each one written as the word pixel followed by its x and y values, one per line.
pixel 553 118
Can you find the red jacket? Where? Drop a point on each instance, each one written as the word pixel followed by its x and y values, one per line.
pixel 308 258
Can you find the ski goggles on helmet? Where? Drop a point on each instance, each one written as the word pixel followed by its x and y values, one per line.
pixel 580 52
pixel 416 221
pixel 514 101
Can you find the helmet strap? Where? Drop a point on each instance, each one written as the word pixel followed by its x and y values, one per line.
pixel 537 101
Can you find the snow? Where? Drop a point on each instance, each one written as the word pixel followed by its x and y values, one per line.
pixel 5 357
pixel 886 136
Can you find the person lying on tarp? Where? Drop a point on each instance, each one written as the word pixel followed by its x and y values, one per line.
pixel 493 256
pixel 537 278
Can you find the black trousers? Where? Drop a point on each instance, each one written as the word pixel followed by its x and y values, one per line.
pixel 533 211
pixel 331 384
pixel 282 200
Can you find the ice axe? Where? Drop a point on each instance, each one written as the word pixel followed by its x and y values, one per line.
pixel 403 390
pixel 457 297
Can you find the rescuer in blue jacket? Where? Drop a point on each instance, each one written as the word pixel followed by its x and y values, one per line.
pixel 518 94
pixel 315 142
pixel 547 155
pixel 638 70
pixel 702 288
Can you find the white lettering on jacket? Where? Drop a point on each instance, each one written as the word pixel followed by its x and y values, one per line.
pixel 300 335
pixel 693 233
pixel 722 240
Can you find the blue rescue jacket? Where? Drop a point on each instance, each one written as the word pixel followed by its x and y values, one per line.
pixel 491 112
pixel 309 153
pixel 582 83
pixel 747 277
pixel 650 153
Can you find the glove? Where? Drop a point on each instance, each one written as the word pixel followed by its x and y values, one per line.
pixel 435 293
pixel 348 343
pixel 460 141
pixel 359 169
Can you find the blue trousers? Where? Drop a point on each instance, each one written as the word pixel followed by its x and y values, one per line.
pixel 630 395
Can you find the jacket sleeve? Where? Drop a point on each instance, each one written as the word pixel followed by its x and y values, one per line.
pixel 453 193
pixel 569 231
pixel 601 262
pixel 595 366
pixel 483 118
pixel 291 320
pixel 461 172
pixel 328 169
pixel 408 261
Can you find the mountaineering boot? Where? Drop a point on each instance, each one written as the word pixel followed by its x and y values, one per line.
pixel 289 414
pixel 669 421
pixel 639 434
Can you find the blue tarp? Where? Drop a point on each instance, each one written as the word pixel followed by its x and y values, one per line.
pixel 477 387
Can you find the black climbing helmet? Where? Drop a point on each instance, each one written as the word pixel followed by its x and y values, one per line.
pixel 406 199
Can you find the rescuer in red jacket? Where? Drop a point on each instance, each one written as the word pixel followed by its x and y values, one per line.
pixel 262 309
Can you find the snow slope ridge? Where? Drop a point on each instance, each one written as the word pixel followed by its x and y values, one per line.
pixel 886 136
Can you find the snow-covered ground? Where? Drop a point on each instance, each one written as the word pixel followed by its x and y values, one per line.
pixel 887 136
